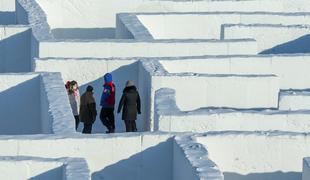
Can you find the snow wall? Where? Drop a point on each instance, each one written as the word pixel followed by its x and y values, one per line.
pixel 15 48
pixel 43 168
pixel 27 106
pixel 133 156
pixel 7 12
pixel 20 104
pixel 289 40
pixel 169 118
pixel 72 14
pixel 161 73
pixel 257 155
pixel 306 169
pixel 283 66
pixel 229 91
pixel 130 156
pixel 203 25
pixel 210 87
pixel 51 170
pixel 191 161
pixel 56 113
pixel 160 48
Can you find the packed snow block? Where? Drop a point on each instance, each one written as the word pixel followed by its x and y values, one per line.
pixel 7 18
pixel 145 96
pixel 84 33
pixel 176 26
pixel 77 14
pixel 169 118
pixel 294 100
pixel 15 49
pixel 228 91
pixel 288 39
pixel 133 48
pixel 27 110
pixel 7 5
pixel 306 169
pixel 164 102
pixel 157 149
pixel 191 161
pixel 56 113
pixel 119 156
pixel 29 12
pixel 97 150
pixel 146 156
pixel 203 25
pixel 127 156
pixel 215 90
pixel 20 104
pixel 90 71
pixel 7 12
pixel 257 155
pixel 283 66
pixel 286 66
pixel 43 168
pixel 22 16
pixel 128 26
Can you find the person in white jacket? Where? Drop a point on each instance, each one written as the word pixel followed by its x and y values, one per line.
pixel 74 98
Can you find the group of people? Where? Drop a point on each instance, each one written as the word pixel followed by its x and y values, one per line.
pixel 84 107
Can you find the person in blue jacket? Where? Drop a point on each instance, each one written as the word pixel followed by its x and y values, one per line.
pixel 107 103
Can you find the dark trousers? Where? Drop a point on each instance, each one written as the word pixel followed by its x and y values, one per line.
pixel 107 118
pixel 77 121
pixel 130 126
pixel 87 128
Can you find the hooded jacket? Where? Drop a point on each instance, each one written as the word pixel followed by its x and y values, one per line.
pixel 108 94
pixel 130 103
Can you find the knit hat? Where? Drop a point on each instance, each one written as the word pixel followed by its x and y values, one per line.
pixel 129 83
pixel 89 88
pixel 67 85
pixel 107 78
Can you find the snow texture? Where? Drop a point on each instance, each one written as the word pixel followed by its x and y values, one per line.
pixel 289 39
pixel 169 118
pixel 43 168
pixel 55 105
pixel 240 67
pixel 33 103
pixel 306 168
pixel 192 161
pixel 176 26
pixel 257 155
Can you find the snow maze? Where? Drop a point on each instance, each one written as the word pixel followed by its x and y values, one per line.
pixel 224 86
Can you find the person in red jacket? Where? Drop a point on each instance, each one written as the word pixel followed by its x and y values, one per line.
pixel 107 103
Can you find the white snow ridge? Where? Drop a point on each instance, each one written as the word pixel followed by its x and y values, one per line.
pixel 224 88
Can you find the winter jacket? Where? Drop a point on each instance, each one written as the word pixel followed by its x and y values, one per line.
pixel 88 110
pixel 108 95
pixel 130 102
pixel 74 99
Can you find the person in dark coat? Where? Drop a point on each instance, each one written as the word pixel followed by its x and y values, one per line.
pixel 107 103
pixel 131 105
pixel 88 110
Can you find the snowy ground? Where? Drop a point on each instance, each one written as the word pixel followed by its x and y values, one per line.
pixel 224 86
